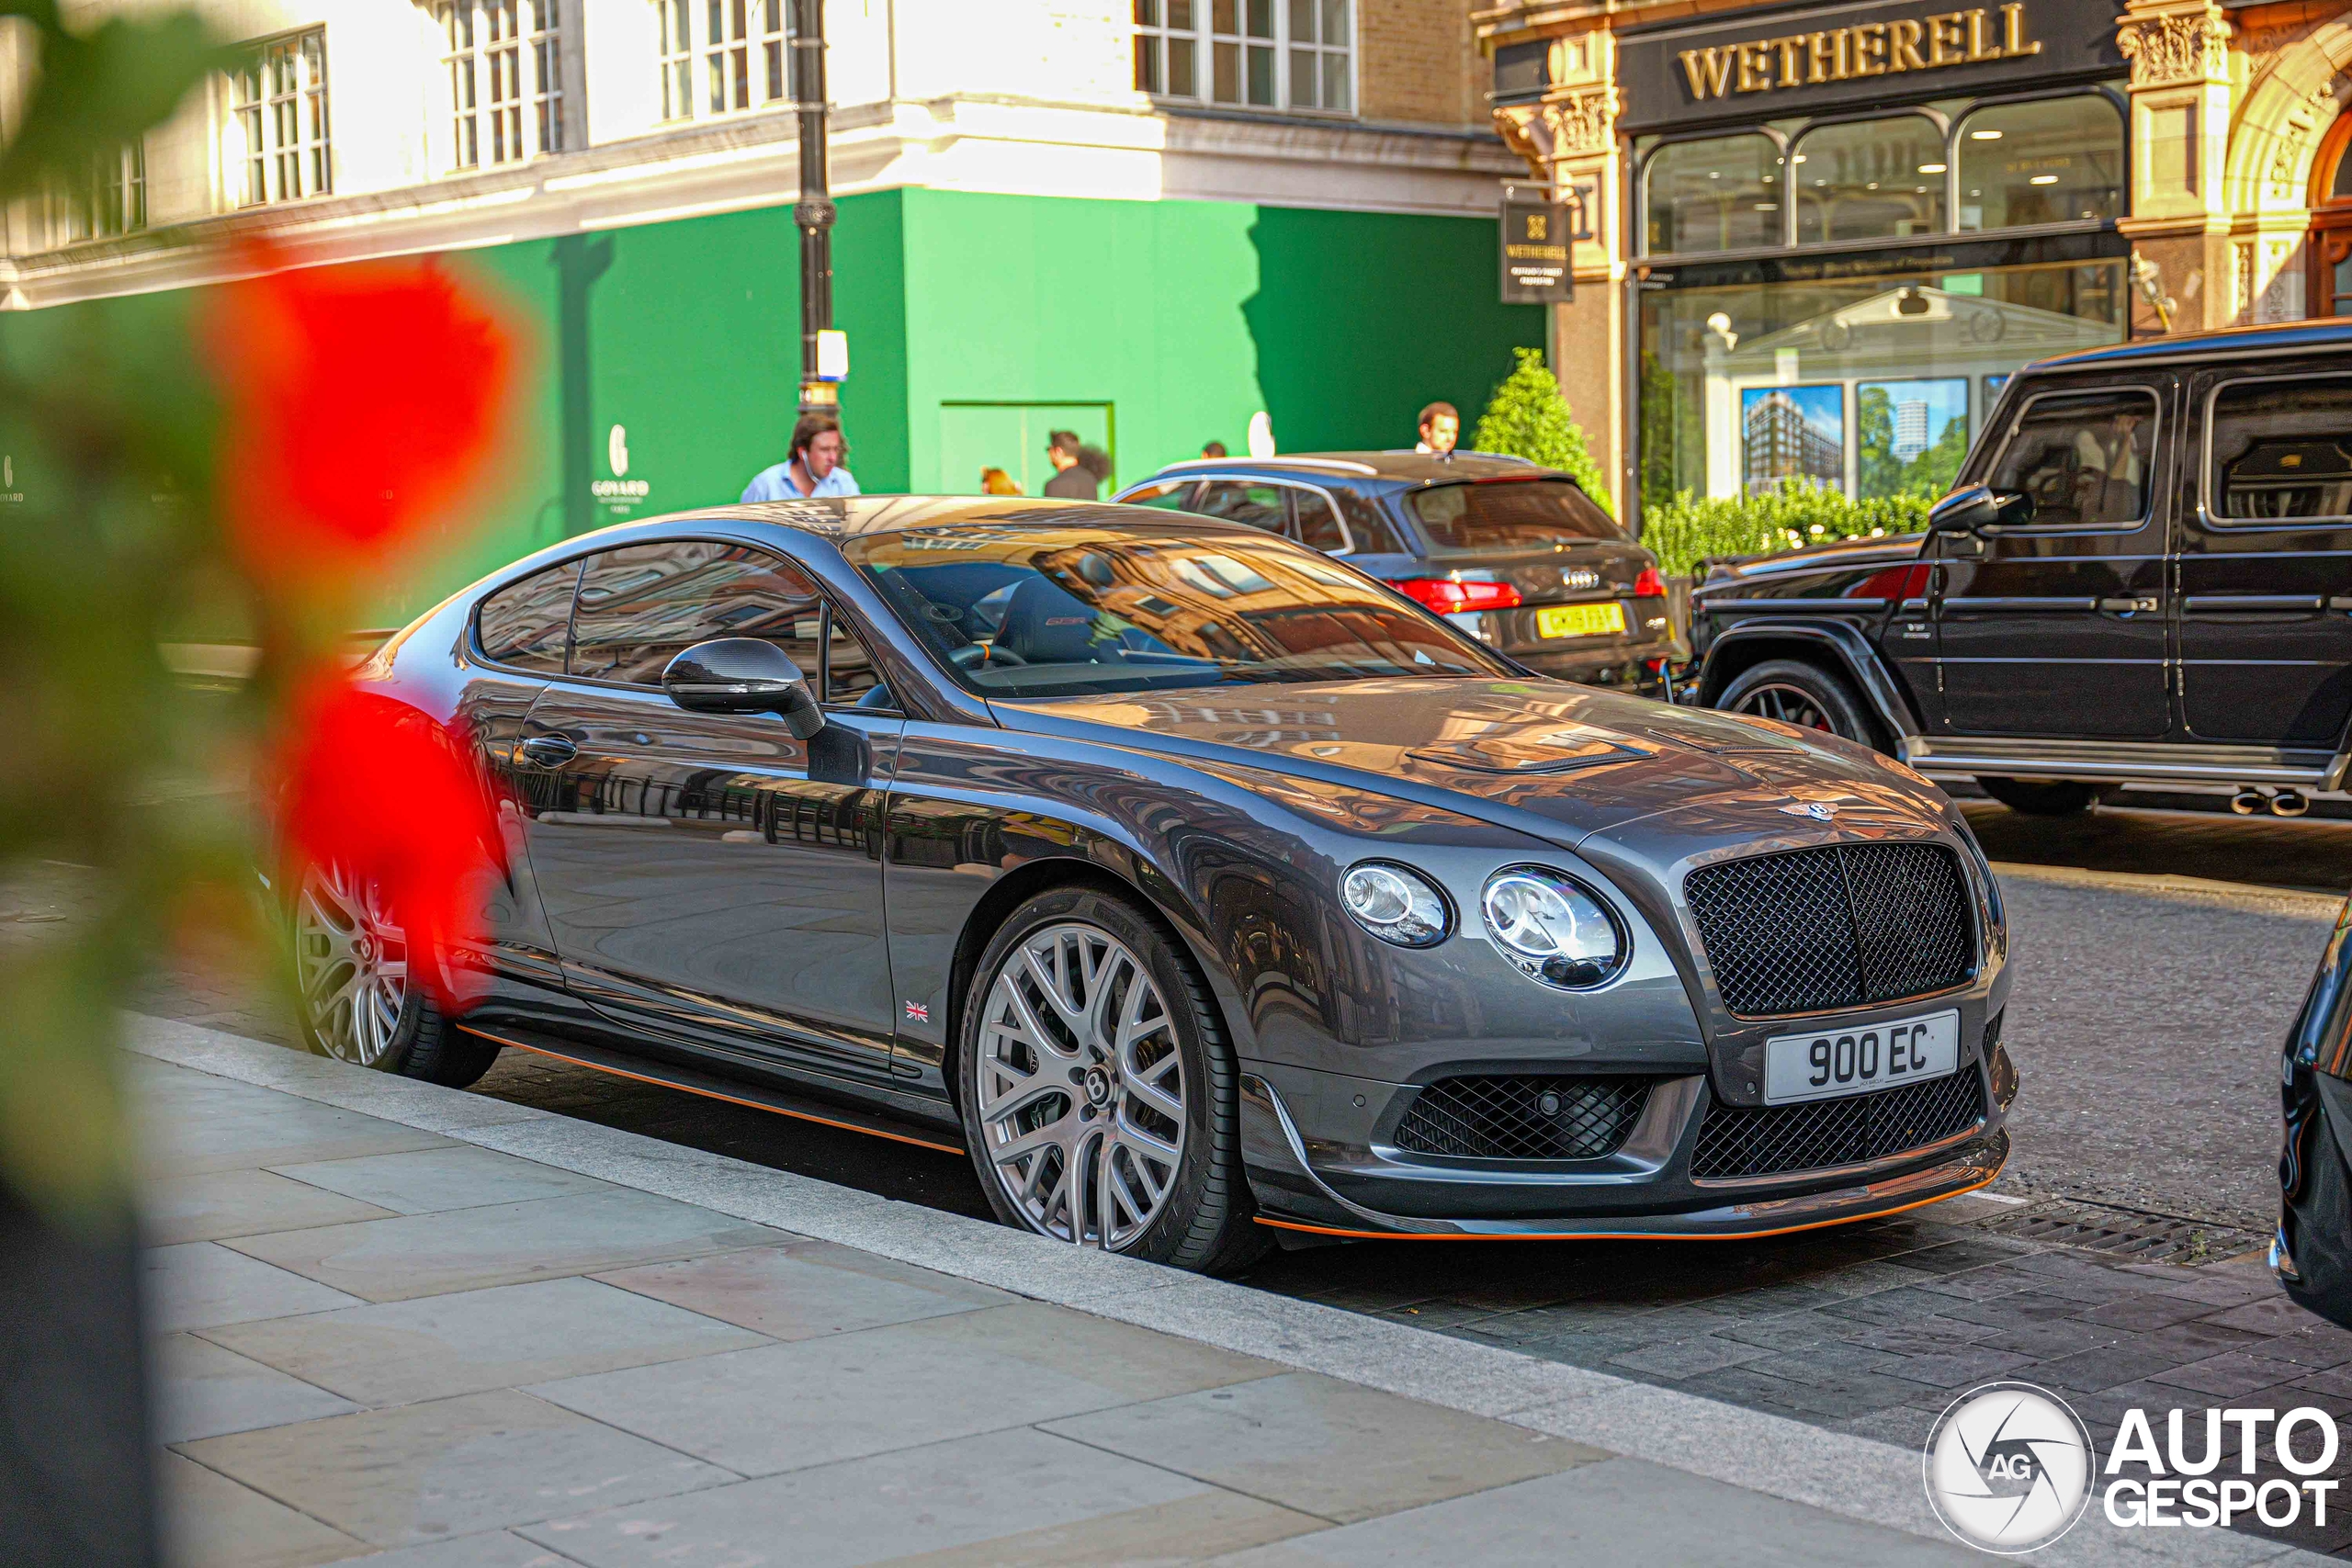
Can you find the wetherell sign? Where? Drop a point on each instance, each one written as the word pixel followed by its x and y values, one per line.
pixel 1826 58
pixel 1536 236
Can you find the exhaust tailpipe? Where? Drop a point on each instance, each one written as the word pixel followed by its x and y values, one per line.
pixel 2289 803
pixel 2246 802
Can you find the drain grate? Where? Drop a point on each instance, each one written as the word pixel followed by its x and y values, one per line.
pixel 2133 1233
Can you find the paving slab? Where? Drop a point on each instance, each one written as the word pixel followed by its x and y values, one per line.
pixel 203 1391
pixel 241 1134
pixel 450 1467
pixel 785 1406
pixel 493 1549
pixel 210 1521
pixel 884 1508
pixel 1325 1447
pixel 425 1181
pixel 199 1284
pixel 433 1347
pixel 806 1289
pixel 583 1232
pixel 215 1204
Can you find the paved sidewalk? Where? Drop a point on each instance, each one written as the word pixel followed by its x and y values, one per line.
pixel 467 1334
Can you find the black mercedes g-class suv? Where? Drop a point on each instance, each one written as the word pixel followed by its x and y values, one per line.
pixel 2143 574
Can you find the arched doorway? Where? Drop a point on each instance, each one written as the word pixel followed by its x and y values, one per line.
pixel 2327 246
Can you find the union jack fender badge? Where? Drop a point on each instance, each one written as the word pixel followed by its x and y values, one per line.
pixel 918 1012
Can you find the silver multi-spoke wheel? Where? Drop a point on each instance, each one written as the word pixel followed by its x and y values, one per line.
pixel 1788 703
pixel 1081 1086
pixel 351 960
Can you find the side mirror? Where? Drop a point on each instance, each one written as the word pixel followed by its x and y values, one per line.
pixel 1977 509
pixel 743 674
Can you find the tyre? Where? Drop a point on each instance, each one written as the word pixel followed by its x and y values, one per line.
pixel 1097 1089
pixel 354 989
pixel 2042 797
pixel 1804 695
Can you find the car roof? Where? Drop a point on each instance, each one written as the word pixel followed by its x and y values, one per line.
pixel 2225 343
pixel 848 516
pixel 1395 467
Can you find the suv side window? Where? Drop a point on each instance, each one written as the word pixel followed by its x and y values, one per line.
pixel 2282 449
pixel 1239 501
pixel 1318 527
pixel 642 606
pixel 2083 458
pixel 1169 497
pixel 525 625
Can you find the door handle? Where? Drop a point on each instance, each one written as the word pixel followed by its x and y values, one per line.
pixel 2144 605
pixel 548 750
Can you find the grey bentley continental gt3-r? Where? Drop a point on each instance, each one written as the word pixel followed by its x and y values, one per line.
pixel 1197 884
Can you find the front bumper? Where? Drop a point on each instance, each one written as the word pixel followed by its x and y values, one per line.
pixel 1341 1188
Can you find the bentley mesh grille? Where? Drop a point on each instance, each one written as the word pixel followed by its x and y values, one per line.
pixel 1735 1141
pixel 1847 926
pixel 1516 1116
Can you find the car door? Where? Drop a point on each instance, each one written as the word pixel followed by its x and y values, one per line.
pixel 2265 569
pixel 709 876
pixel 2055 626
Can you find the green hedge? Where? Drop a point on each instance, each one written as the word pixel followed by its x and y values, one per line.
pixel 1691 527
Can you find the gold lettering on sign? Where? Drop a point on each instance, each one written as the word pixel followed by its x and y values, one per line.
pixel 1942 40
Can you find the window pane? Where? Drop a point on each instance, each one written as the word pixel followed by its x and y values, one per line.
pixel 1720 194
pixel 2051 162
pixel 849 668
pixel 2082 459
pixel 1318 526
pixel 1532 514
pixel 525 625
pixel 1224 16
pixel 2279 448
pixel 1335 22
pixel 1302 78
pixel 1302 21
pixel 1182 53
pixel 642 607
pixel 1874 179
pixel 1227 78
pixel 1259 505
pixel 1335 82
pixel 1148 12
pixel 1146 63
pixel 1261 77
pixel 1179 14
pixel 1261 18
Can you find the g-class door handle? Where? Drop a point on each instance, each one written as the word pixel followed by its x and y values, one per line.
pixel 548 750
pixel 2144 606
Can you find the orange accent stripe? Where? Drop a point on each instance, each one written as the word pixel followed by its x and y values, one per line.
pixel 1617 1236
pixel 714 1094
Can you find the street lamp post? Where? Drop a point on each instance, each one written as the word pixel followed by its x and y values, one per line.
pixel 814 214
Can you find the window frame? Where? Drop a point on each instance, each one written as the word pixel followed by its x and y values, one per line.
pixel 268 155
pixel 535 106
pixel 1205 38
pixel 1290 506
pixel 2216 522
pixel 2151 510
pixel 685 63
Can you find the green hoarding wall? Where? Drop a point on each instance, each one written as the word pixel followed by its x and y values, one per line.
pixel 664 359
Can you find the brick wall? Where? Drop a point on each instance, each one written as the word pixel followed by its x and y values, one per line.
pixel 1417 63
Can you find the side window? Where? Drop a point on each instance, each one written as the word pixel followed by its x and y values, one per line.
pixel 525 625
pixel 850 674
pixel 2081 458
pixel 643 605
pixel 1368 525
pixel 1318 526
pixel 1260 505
pixel 1169 497
pixel 2282 449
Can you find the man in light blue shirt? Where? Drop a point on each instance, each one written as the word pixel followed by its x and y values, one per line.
pixel 814 469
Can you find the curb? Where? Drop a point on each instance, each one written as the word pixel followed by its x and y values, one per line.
pixel 2195 889
pixel 1856 1477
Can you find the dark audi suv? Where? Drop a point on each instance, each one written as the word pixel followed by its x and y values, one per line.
pixel 2143 574
pixel 1517 556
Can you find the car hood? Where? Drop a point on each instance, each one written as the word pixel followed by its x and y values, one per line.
pixel 1564 762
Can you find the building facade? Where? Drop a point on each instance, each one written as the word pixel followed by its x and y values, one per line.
pixel 1866 216
pixel 1146 220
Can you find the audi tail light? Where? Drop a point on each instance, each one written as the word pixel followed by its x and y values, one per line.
pixel 1650 583
pixel 1448 597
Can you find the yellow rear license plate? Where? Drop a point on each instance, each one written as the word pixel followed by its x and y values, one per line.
pixel 1580 620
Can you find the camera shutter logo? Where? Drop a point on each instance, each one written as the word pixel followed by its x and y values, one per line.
pixel 2008 1468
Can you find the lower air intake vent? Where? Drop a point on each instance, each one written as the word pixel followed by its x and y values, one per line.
pixel 1512 1116
pixel 1735 1141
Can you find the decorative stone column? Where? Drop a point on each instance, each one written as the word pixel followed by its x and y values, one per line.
pixel 2180 212
pixel 1569 138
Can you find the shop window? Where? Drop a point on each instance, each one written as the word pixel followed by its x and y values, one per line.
pixel 1870 180
pixel 1719 195
pixel 2327 248
pixel 2051 161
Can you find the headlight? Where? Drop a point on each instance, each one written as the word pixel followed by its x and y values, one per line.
pixel 1551 928
pixel 1397 904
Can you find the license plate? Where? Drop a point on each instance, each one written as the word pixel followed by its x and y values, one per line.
pixel 1826 1063
pixel 1580 620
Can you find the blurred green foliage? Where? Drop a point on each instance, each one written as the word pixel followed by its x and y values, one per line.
pixel 1529 417
pixel 1689 528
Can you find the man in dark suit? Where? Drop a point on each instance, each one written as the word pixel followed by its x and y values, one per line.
pixel 1073 481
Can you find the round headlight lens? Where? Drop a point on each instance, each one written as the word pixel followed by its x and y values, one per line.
pixel 1550 927
pixel 1396 903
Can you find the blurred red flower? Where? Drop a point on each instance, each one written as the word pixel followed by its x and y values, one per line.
pixel 361 401
pixel 393 796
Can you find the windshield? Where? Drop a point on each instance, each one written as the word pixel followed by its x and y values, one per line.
pixel 1044 612
pixel 1515 515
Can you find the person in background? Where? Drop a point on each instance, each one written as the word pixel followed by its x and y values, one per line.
pixel 996 481
pixel 1441 428
pixel 1073 481
pixel 1212 449
pixel 813 469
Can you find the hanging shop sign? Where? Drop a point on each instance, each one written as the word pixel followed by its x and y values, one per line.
pixel 1828 57
pixel 1537 237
